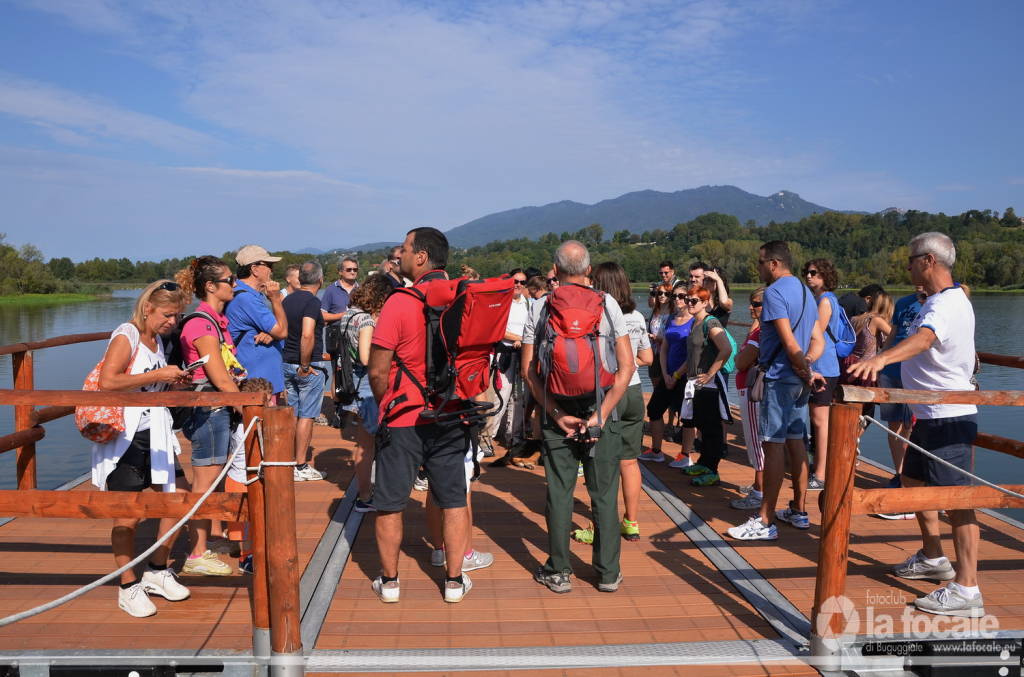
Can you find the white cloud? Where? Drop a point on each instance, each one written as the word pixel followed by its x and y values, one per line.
pixel 76 119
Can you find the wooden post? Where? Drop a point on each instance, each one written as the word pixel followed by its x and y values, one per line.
pixel 24 379
pixel 280 545
pixel 827 616
pixel 257 539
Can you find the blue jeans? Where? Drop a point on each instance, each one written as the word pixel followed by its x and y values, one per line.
pixel 209 431
pixel 784 411
pixel 305 393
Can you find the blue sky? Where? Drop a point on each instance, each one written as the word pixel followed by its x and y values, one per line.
pixel 167 128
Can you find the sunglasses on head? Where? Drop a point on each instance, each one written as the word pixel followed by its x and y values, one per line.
pixel 168 286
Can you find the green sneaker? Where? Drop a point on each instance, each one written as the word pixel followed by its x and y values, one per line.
pixel 696 469
pixel 630 530
pixel 708 479
pixel 585 536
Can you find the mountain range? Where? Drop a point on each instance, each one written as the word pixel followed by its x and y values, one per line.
pixel 636 212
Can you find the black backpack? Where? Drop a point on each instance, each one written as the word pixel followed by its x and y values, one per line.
pixel 345 384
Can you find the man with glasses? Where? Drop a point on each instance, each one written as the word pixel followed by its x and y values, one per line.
pixel 790 341
pixel 256 329
pixel 335 300
pixel 507 356
pixel 666 280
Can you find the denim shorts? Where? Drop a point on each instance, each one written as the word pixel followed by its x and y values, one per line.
pixel 951 439
pixel 784 411
pixel 209 431
pixel 892 413
pixel 305 393
pixel 365 405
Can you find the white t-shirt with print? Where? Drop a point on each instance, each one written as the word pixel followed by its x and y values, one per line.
pixel 949 363
pixel 636 326
pixel 145 360
pixel 516 318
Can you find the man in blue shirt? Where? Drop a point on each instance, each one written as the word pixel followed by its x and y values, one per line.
pixel 790 341
pixel 335 299
pixel 256 329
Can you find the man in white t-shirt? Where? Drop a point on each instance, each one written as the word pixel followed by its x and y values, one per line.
pixel 510 411
pixel 938 354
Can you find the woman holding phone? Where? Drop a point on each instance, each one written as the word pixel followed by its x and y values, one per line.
pixel 205 335
pixel 142 456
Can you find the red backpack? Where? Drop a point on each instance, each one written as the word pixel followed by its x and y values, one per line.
pixel 465 319
pixel 569 343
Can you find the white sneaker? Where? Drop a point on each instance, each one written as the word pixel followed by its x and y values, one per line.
pixel 309 473
pixel 164 583
pixel 915 568
pixel 437 557
pixel 206 564
pixel 421 484
pixel 135 602
pixel 454 593
pixel 754 530
pixel 386 592
pixel 478 560
pixel 946 602
pixel 680 461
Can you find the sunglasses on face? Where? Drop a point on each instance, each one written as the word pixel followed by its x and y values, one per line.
pixel 351 270
pixel 552 280
pixel 518 283
pixel 910 259
pixel 756 304
pixel 264 263
pixel 659 293
pixel 692 301
pixel 230 279
pixel 679 297
pixel 812 273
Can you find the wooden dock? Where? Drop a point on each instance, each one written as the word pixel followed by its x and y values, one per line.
pixel 693 602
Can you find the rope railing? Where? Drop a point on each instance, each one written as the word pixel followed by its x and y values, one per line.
pixel 74 594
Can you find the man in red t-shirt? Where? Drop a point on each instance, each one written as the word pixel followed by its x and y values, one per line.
pixel 408 440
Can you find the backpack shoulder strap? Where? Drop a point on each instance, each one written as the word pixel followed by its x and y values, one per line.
pixel 203 314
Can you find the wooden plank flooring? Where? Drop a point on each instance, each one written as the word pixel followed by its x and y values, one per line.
pixel 671 591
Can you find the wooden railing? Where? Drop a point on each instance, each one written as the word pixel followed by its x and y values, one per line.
pixel 269 503
pixel 841 499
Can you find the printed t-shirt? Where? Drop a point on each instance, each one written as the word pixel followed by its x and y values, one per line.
pixel 949 363
pixel 676 335
pixel 701 349
pixel 354 319
pixel 828 363
pixel 401 327
pixel 903 316
pixel 198 327
pixel 636 327
pixel 752 340
pixel 248 315
pixel 145 361
pixel 298 305
pixel 786 297
pixel 336 298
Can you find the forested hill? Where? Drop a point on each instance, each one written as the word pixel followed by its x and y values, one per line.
pixel 636 212
pixel 865 247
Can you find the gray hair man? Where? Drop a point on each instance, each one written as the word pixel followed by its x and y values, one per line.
pixel 568 441
pixel 938 354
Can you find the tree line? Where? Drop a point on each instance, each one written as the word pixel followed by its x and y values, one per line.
pixel 864 248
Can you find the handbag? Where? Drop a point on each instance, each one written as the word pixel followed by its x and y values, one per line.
pixel 101 423
pixel 755 386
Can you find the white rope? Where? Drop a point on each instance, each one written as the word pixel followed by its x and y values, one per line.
pixel 14 618
pixel 943 461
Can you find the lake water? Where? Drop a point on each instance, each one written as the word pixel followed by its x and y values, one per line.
pixel 64 454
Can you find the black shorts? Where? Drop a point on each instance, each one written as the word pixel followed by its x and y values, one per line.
pixel 439 448
pixel 133 470
pixel 825 395
pixel 663 399
pixel 951 439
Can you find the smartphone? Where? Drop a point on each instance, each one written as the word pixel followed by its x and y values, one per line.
pixel 195 365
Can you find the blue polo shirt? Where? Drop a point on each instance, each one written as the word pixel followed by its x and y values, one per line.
pixel 786 297
pixel 335 298
pixel 248 314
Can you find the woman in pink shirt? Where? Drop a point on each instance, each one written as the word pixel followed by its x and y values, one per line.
pixel 208 428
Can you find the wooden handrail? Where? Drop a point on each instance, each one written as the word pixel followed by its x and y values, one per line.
pixel 118 504
pixel 1002 360
pixel 47 414
pixel 167 398
pixel 66 340
pixel 21 438
pixel 918 499
pixel 857 394
pixel 1001 444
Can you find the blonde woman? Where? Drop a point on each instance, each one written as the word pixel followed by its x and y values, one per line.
pixel 142 456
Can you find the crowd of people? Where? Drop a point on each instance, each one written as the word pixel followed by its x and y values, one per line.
pixel 566 393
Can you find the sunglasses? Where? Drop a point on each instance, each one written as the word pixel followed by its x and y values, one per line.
pixel 264 263
pixel 679 296
pixel 659 293
pixel 665 272
pixel 756 304
pixel 910 259
pixel 168 286
pixel 230 279
pixel 552 280
pixel 692 301
pixel 812 273
pixel 351 270
pixel 518 283
pixel 394 262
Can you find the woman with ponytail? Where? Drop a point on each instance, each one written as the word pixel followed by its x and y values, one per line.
pixel 205 334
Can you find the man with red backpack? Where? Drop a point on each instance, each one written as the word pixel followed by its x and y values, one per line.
pixel 579 363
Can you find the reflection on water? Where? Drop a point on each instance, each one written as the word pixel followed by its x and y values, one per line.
pixel 64 454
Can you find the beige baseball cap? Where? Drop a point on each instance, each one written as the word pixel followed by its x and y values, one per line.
pixel 251 253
